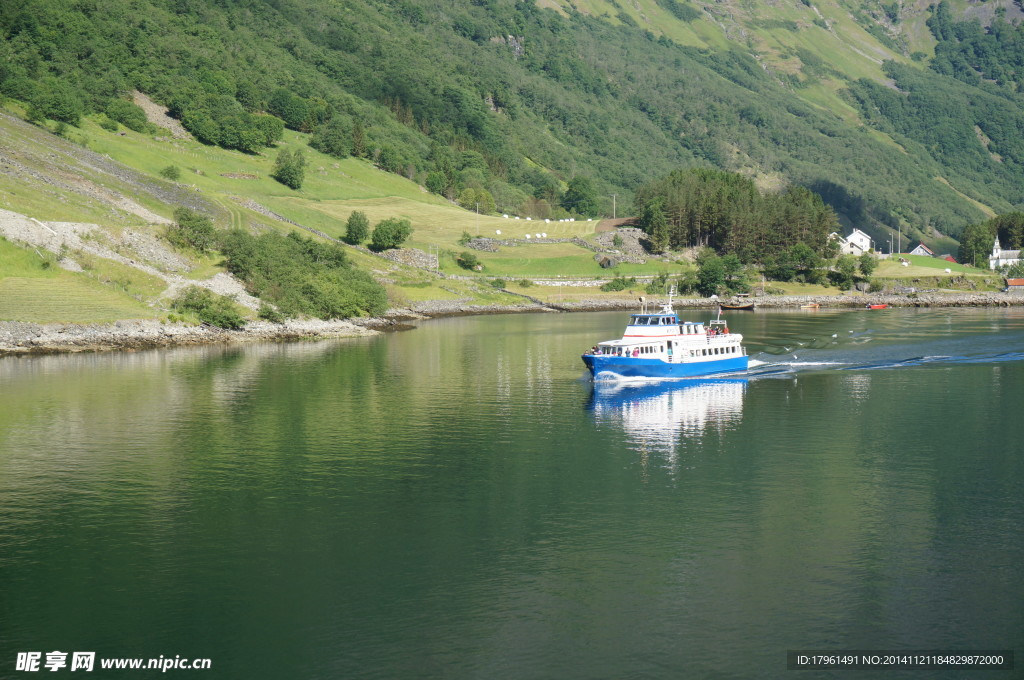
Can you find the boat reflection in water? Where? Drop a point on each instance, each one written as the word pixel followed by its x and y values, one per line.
pixel 659 414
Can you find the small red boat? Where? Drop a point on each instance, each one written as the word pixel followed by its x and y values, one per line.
pixel 877 306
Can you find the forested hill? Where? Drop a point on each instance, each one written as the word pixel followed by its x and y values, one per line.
pixel 900 115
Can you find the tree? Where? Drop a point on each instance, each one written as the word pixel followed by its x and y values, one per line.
pixel 290 168
pixel 732 269
pixel 867 264
pixel 358 139
pixel 357 229
pixel 390 233
pixel 807 263
pixel 581 197
pixel 468 198
pixel 845 272
pixel 291 108
pixel 436 182
pixel 710 273
pixel 57 101
pixel 655 225
pixel 333 137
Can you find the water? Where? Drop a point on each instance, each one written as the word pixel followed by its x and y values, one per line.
pixel 458 501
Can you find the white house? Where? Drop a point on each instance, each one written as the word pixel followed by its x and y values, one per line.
pixel 922 249
pixel 857 243
pixel 1002 258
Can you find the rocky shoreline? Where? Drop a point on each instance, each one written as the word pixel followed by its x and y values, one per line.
pixel 17 338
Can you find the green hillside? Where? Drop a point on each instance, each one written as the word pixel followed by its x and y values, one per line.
pixel 900 116
pixel 515 99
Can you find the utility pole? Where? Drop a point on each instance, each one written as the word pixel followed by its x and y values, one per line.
pixel 613 205
pixel 478 218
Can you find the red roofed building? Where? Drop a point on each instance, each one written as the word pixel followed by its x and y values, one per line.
pixel 922 249
pixel 1014 286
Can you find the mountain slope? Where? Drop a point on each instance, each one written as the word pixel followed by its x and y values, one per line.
pixel 515 98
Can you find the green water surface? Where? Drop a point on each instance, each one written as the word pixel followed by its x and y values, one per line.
pixel 458 501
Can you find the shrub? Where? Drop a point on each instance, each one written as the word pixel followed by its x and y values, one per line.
pixel 658 286
pixel 128 114
pixel 525 283
pixel 619 283
pixel 192 230
pixel 390 233
pixel 171 172
pixel 498 283
pixel 268 312
pixel 468 260
pixel 215 310
pixel 302 276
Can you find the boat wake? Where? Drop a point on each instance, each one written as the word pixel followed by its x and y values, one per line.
pixel 773 366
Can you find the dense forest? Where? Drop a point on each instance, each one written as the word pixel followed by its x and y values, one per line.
pixel 502 103
pixel 726 212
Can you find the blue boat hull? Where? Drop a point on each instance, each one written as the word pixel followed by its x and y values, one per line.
pixel 636 367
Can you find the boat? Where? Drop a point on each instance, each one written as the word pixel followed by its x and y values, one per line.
pixel 876 306
pixel 743 306
pixel 810 305
pixel 661 345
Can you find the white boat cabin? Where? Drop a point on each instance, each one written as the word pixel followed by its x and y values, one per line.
pixel 664 337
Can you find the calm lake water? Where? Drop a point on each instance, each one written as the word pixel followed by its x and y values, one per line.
pixel 458 501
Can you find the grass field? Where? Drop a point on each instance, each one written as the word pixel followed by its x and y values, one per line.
pixel 65 298
pixel 921 265
pixel 34 289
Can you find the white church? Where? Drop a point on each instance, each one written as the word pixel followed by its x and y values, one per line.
pixel 1002 258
